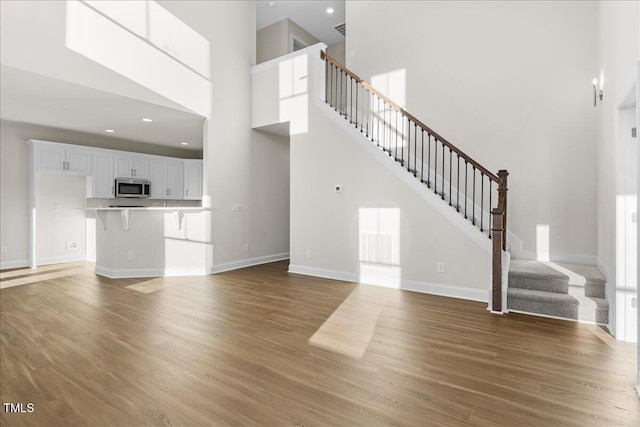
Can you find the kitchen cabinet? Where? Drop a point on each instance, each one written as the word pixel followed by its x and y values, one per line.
pixel 131 166
pixel 62 158
pixel 193 179
pixel 167 178
pixel 103 179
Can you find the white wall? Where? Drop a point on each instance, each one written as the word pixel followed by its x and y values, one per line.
pixel 40 37
pixel 59 218
pixel 14 178
pixel 275 40
pixel 328 228
pixel 619 49
pixel 510 84
pixel 243 166
pixel 272 41
pixel 337 51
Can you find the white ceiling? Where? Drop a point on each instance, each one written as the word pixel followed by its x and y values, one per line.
pixel 310 15
pixel 32 98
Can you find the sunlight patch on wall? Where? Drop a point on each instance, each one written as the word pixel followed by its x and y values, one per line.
pixel 186 247
pixel 542 242
pixel 388 128
pixel 379 236
pixel 160 66
pixel 393 85
pixel 626 266
pixel 293 93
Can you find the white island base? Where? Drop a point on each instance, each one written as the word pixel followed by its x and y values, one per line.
pixel 152 241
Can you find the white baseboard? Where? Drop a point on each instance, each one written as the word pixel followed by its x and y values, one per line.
pixel 61 259
pixel 248 263
pixel 150 272
pixel 173 272
pixel 602 269
pixel 19 263
pixel 323 273
pixel 407 285
pixel 450 291
pixel 558 318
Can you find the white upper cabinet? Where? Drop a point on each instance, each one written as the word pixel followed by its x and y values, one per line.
pixel 193 179
pixel 131 166
pixel 62 158
pixel 167 178
pixel 103 179
pixel 175 179
pixel 170 178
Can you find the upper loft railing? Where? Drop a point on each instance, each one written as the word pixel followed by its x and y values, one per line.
pixel 468 187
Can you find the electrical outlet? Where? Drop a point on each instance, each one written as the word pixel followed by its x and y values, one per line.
pixel 236 208
pixel 440 266
pixel 130 255
pixel 4 249
pixel 308 253
pixel 246 247
pixel 72 244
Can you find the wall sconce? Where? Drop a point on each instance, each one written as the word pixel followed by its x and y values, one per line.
pixel 597 93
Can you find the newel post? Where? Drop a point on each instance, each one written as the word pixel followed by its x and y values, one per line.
pixel 498 236
pixel 502 203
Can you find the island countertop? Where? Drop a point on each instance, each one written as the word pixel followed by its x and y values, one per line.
pixel 178 211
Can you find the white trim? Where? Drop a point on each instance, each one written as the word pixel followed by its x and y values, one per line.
pixel 139 273
pixel 293 39
pixel 61 259
pixel 235 265
pixel 459 292
pixel 559 318
pixel 172 272
pixel 273 63
pixel 472 294
pixel 323 273
pixel 18 263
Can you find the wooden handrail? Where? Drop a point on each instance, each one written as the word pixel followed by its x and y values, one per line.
pixel 430 131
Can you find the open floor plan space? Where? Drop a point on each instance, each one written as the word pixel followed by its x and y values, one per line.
pixel 261 346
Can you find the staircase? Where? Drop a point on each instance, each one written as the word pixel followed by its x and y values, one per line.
pixel 477 194
pixel 563 290
pixel 568 291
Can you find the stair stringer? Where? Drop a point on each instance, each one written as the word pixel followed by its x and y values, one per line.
pixel 434 200
pixel 471 232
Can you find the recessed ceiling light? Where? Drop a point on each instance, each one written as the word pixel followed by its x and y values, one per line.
pixel 109 130
pixel 271 4
pixel 184 143
pixel 329 10
pixel 147 120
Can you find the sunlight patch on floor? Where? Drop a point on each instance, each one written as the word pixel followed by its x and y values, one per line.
pixel 350 327
pixel 37 277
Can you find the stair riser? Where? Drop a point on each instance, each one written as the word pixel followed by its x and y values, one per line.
pixel 595 291
pixel 543 307
pixel 542 284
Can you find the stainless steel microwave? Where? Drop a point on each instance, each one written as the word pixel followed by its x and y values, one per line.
pixel 132 187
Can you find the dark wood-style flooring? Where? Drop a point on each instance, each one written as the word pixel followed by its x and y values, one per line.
pixel 262 347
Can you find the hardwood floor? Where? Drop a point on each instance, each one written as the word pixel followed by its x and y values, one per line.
pixel 237 349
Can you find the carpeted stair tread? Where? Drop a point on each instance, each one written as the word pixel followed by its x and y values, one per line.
pixel 564 290
pixel 582 273
pixel 543 303
pixel 542 296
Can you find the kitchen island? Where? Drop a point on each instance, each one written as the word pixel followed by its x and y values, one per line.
pixel 152 241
